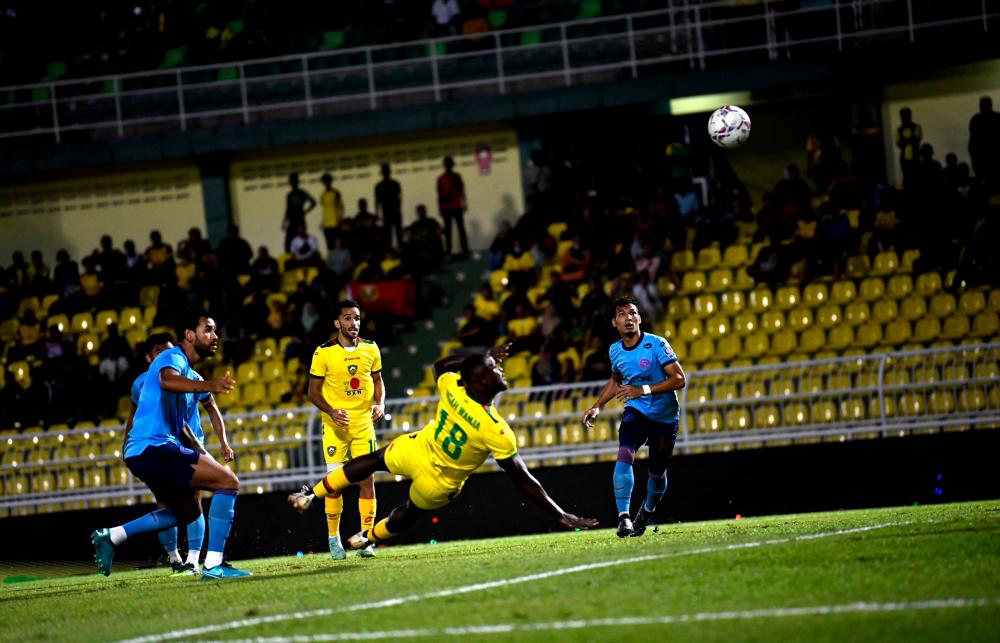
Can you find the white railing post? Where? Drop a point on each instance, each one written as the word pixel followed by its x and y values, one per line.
pixel 434 71
pixel 909 18
pixel 310 446
pixel 690 34
pixel 881 396
pixel 499 54
pixel 986 26
pixel 307 85
pixel 180 100
pixel 631 46
pixel 772 52
pixel 701 40
pixel 840 35
pixel 370 70
pixel 684 417
pixel 243 94
pixel 55 112
pixel 118 109
pixel 565 53
pixel 673 29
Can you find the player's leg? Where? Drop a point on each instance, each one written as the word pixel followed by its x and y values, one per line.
pixel 425 495
pixel 335 449
pixel 631 435
pixel 339 479
pixel 196 538
pixel 225 487
pixel 401 518
pixel 661 447
pixel 168 538
pixel 363 444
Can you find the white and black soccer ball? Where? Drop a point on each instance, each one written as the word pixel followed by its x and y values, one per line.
pixel 729 126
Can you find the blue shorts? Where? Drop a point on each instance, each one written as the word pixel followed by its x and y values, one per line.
pixel 165 468
pixel 636 430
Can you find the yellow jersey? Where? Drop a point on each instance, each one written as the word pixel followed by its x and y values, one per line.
pixel 464 433
pixel 347 376
pixel 333 208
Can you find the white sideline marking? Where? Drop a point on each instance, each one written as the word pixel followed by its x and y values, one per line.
pixel 400 600
pixel 697 617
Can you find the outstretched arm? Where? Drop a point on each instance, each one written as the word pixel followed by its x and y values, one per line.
pixel 529 485
pixel 452 363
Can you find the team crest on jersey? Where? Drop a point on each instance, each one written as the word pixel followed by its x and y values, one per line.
pixel 644 364
pixel 331 451
pixel 352 369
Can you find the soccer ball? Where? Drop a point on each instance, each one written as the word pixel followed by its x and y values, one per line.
pixel 729 126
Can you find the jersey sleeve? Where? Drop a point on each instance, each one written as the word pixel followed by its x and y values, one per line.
pixel 667 356
pixel 137 388
pixel 446 381
pixel 611 358
pixel 174 361
pixel 377 362
pixel 501 440
pixel 318 366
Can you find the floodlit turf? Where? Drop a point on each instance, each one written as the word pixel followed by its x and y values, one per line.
pixel 909 573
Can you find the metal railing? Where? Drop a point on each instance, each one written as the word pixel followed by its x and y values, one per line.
pixel 686 34
pixel 881 395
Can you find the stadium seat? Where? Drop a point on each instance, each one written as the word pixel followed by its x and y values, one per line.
pixel 82 323
pixel 247 373
pixel 87 344
pixel 823 411
pixel 912 308
pixel 993 301
pixel 907 259
pixel 911 404
pixel 743 280
pixel 772 321
pixel 928 284
pixel 276 390
pixel 843 292
pixel 786 298
pixel 795 414
pixel 266 348
pixel 702 350
pixel 852 409
pixel 886 263
pixel 800 319
pixel 690 329
pixel 709 421
pixel 815 294
pixel 105 318
pixel 678 307
pixel 682 261
pixel 971 399
pixel 130 318
pixel 871 289
pixel 728 347
pixel 766 416
pixel 760 300
pixel 708 259
pixel 738 419
pixel 900 286
pixel 47 302
pixel 985 325
pixel 928 329
pixel 972 302
pixel 857 313
pixel 733 302
pixel 783 342
pixel 840 337
pixel 829 315
pixel 705 305
pixel 720 280
pixel 956 327
pixel 745 323
pixel 149 296
pixel 693 282
pixel 59 321
pixel 869 334
pixel 940 402
pixel 885 310
pixel 272 370
pixel 516 366
pixel 736 256
pixel 667 329
pixel 29 303
pixel 755 344
pixel 858 266
pixel 717 327
pixel 897 332
pixel 812 340
pixel 251 394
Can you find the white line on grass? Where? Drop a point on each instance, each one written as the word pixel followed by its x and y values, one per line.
pixel 669 619
pixel 477 587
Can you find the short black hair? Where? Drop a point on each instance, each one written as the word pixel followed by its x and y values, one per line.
pixel 472 366
pixel 347 303
pixel 188 319
pixel 156 339
pixel 626 300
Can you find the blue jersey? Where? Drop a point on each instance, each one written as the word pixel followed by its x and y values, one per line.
pixel 160 415
pixel 644 364
pixel 191 416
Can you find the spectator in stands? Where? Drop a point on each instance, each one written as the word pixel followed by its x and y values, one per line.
pixel 196 246
pixel 17 272
pixel 791 193
pixel 908 138
pixel 114 344
pixel 984 142
pixel 113 368
pixel 158 253
pixel 264 271
pixel 367 237
pixel 11 401
pixel 57 346
pixel 687 201
pixel 29 334
pixel 112 266
pixel 234 252
pixel 424 240
pixel 66 275
pixel 546 370
pixel 474 331
pixel 39 275
pixel 574 263
pixel 475 29
pixel 523 329
pixel 305 250
pixel 452 205
pixel 595 362
pixel 538 184
pixel 444 13
pixel 836 239
pixel 650 261
pixel 388 204
pixel 236 346
pixel 339 258
pixel 772 264
pixel 333 209
pixel 646 292
pixel 298 203
pixel 485 303
pixel 520 267
pixel 501 245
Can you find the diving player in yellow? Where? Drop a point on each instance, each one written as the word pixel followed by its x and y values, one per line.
pixel 346 385
pixel 440 457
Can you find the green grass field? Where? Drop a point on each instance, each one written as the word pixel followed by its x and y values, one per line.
pixel 909 573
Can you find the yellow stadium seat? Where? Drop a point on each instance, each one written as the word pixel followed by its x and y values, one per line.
pixel 693 282
pixel 857 313
pixel 682 261
pixel 986 324
pixel 823 411
pixel 869 334
pixel 928 284
pixel 717 326
pixel 812 340
pixel 252 394
pixel 829 315
pixel 247 373
pixel 705 305
pixel 858 266
pixel 105 318
pixel 702 350
pixel 799 319
pixel 941 402
pixel 679 307
pixel 786 298
pixel 708 258
pixel 732 302
pixel 796 414
pixel 87 344
pixel 720 280
pixel 8 330
pixel 272 370
pixel 897 332
pixel 840 337
pixel 942 304
pixel 815 294
pixel 956 327
pixel 852 409
pixel 927 330
pixel 571 433
pixel 736 256
pixel 906 261
pixel 266 348
pixel 993 301
pixel 783 342
pixel 59 321
pixel 130 318
pixel 728 347
pixel 29 303
pixel 743 280
pixel 766 416
pixel 885 311
pixel 516 366
pixel 972 302
pixel 755 344
pixel 47 302
pixel 871 289
pixel 149 296
pixel 690 329
pixel 276 390
pixel 709 421
pixel 82 323
pixel 772 321
pixel 886 263
pixel 249 463
pixel 760 300
pixel 149 315
pixel 900 286
pixel 911 404
pixel 745 323
pixel 914 307
pixel 843 292
pixel 971 399
pixel 667 329
pixel 544 436
pixel 738 420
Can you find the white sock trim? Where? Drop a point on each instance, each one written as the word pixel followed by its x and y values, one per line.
pixel 213 559
pixel 174 556
pixel 118 536
pixel 193 557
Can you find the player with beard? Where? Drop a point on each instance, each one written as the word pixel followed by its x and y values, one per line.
pixel 645 375
pixel 440 457
pixel 175 473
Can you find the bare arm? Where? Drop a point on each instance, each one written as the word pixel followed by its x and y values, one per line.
pixel 452 363
pixel 675 380
pixel 378 404
pixel 608 392
pixel 173 382
pixel 219 426
pixel 529 485
pixel 338 416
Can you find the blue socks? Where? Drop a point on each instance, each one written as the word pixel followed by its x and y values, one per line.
pixel 624 480
pixel 655 488
pixel 168 538
pixel 220 520
pixel 153 521
pixel 196 534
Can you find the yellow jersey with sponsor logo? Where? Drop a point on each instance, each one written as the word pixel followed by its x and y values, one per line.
pixel 347 375
pixel 464 432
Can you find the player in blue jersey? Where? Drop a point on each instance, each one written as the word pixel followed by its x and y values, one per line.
pixel 173 472
pixel 645 375
pixel 193 438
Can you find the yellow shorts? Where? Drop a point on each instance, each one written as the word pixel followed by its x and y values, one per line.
pixel 407 456
pixel 341 443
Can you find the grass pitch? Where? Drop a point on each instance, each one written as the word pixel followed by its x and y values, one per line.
pixel 927 573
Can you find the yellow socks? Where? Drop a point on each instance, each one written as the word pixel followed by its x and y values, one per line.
pixel 334 507
pixel 380 532
pixel 334 481
pixel 366 507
